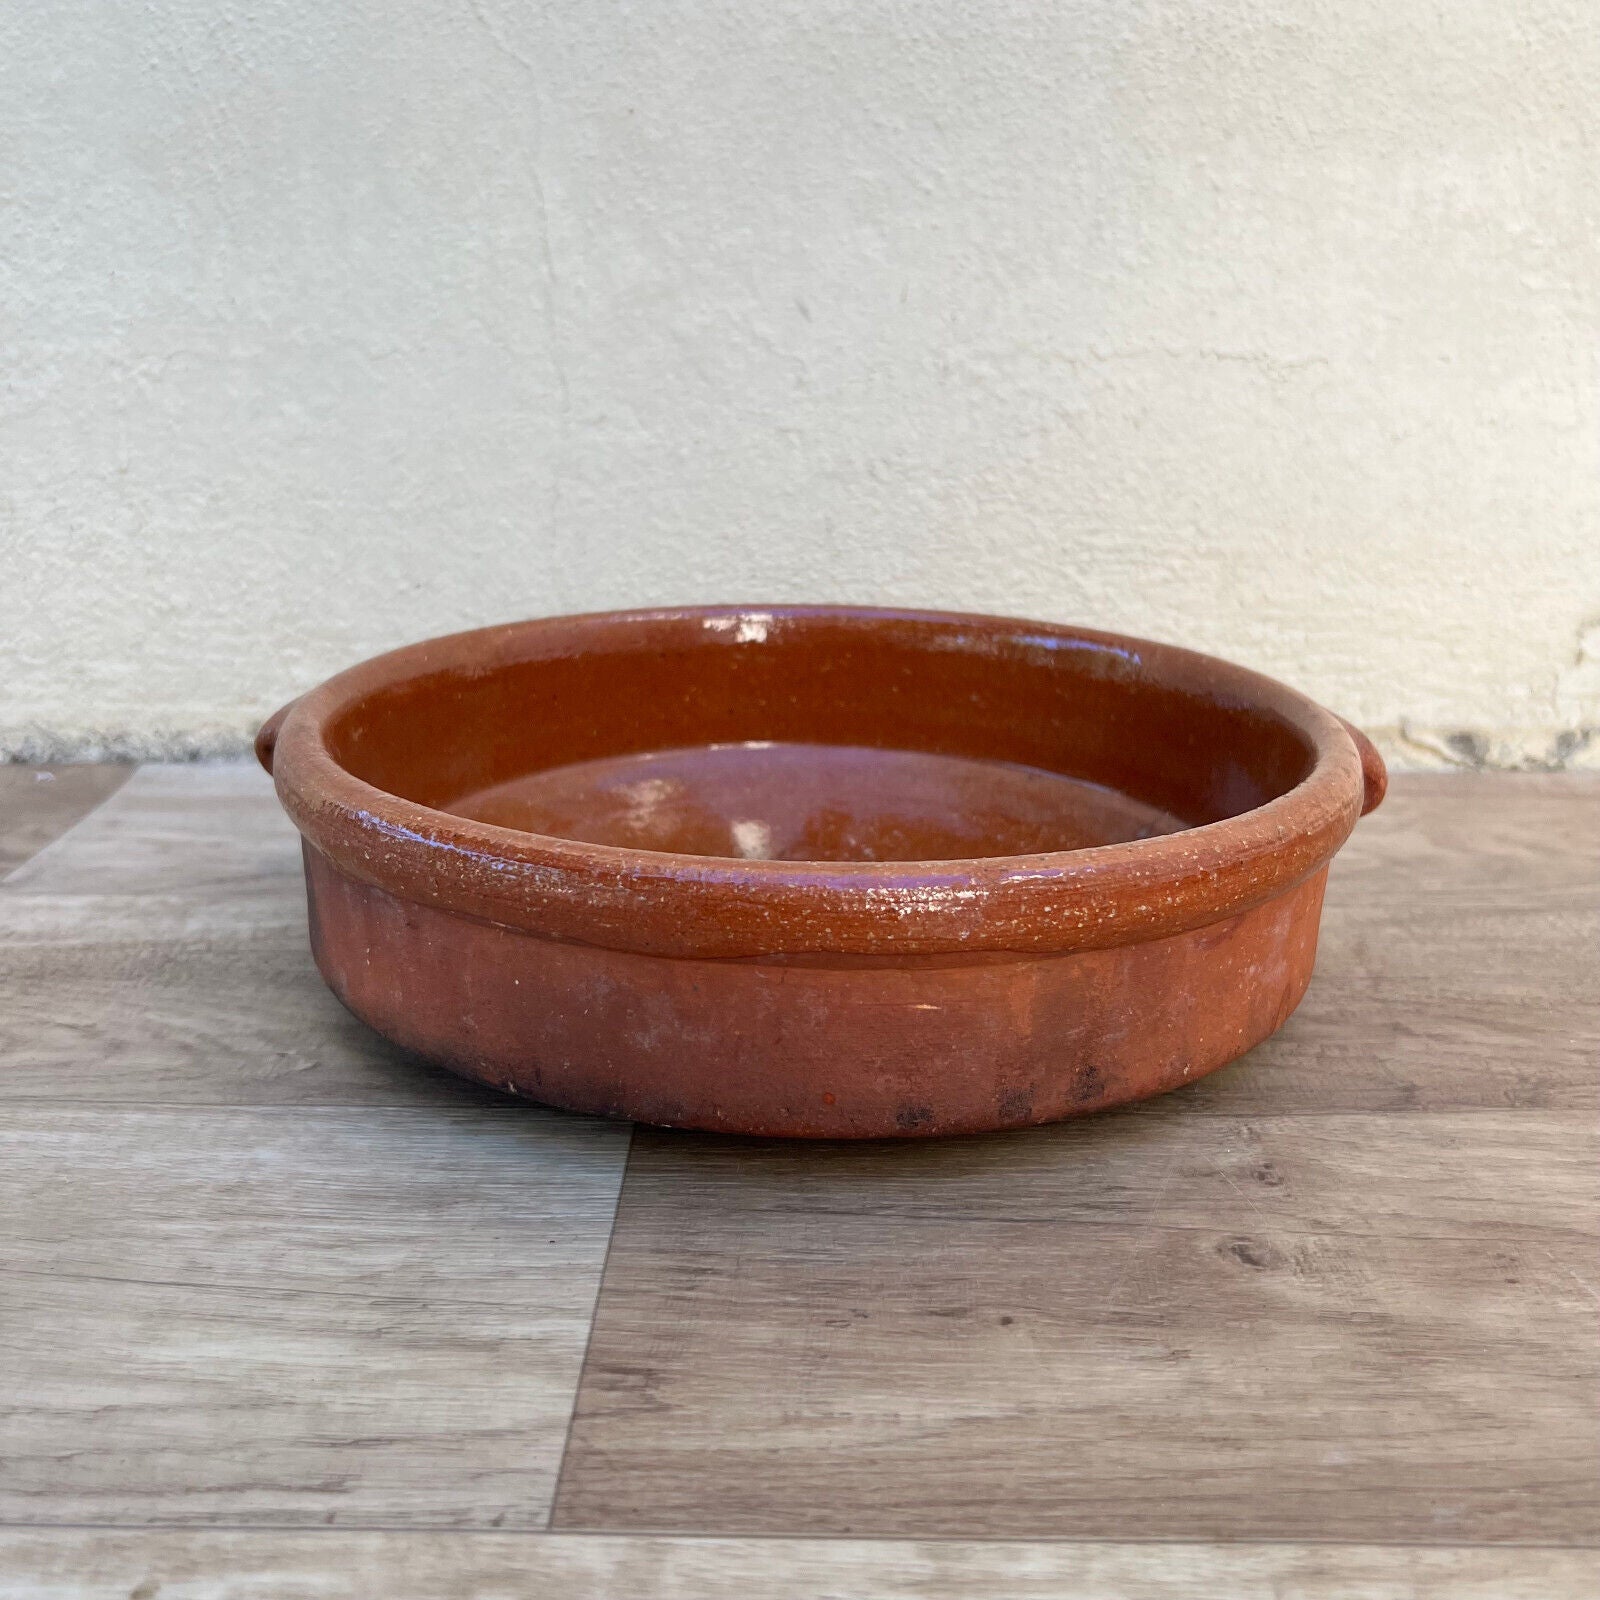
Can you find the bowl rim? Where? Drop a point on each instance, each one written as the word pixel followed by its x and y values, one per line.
pixel 723 907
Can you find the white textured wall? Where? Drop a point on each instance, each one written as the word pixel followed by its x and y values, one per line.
pixel 1263 325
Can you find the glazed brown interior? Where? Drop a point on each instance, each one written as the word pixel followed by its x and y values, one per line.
pixel 830 736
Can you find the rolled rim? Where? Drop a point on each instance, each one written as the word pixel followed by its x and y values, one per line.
pixel 661 903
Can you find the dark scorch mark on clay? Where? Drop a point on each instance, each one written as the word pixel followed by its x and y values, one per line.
pixel 1016 1105
pixel 1090 1085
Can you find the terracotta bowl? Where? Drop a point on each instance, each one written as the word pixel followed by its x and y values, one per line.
pixel 815 871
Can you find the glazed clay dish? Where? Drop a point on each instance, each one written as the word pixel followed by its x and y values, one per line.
pixel 817 872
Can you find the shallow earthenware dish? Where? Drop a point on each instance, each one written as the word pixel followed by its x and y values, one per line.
pixel 817 872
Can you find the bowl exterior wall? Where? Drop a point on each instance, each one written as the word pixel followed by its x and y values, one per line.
pixel 823 1047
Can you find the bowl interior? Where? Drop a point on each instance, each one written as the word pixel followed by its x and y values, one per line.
pixel 825 737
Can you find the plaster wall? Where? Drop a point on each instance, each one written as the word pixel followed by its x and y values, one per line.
pixel 1267 326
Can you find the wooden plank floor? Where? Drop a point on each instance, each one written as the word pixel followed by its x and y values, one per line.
pixel 255 1265
pixel 284 1312
pixel 38 803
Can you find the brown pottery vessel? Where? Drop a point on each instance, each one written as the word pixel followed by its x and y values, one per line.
pixel 818 872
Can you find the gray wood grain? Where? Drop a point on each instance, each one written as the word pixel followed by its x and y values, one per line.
pixel 263 1275
pixel 164 957
pixel 294 1316
pixel 254 1263
pixel 101 1565
pixel 159 956
pixel 1459 963
pixel 39 803
pixel 1470 1176
pixel 1211 1365
pixel 1346 1289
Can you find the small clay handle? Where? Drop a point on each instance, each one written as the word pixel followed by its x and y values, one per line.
pixel 267 736
pixel 1373 772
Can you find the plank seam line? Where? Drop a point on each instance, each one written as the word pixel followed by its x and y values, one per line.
pixel 588 1343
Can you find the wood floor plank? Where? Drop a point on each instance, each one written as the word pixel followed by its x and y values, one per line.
pixel 1346 1290
pixel 207 832
pixel 1455 916
pixel 880 1372
pixel 1474 1176
pixel 254 1263
pixel 294 1316
pixel 100 1565
pixel 160 956
pixel 39 803
pixel 259 1269
pixel 163 960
